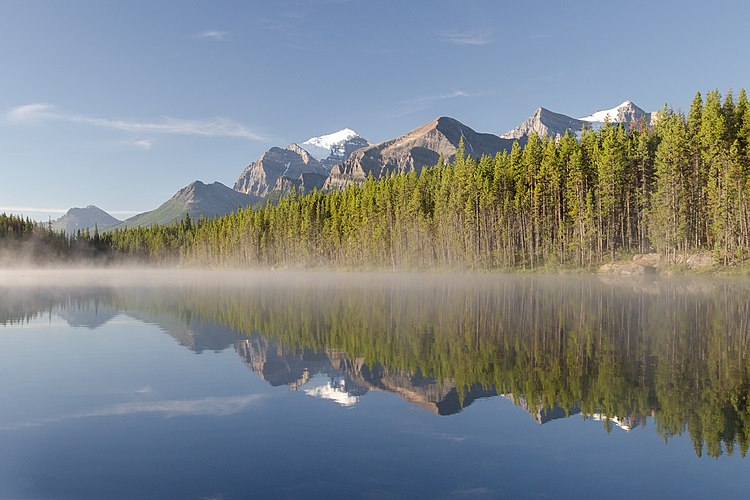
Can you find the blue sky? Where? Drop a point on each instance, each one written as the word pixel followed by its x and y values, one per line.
pixel 120 104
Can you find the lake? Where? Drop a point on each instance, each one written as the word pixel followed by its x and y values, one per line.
pixel 155 384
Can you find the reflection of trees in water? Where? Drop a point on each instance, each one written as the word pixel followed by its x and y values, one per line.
pixel 80 306
pixel 621 350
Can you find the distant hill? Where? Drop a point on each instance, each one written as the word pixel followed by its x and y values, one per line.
pixel 196 199
pixel 82 218
pixel 421 147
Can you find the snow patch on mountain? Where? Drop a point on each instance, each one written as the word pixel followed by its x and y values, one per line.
pixel 611 115
pixel 322 146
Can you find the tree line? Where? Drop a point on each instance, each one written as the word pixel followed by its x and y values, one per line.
pixel 680 186
pixel 677 187
pixel 27 242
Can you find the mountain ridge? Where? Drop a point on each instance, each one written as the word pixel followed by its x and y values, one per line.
pixel 348 158
pixel 422 146
pixel 260 176
pixel 196 199
pixel 88 217
pixel 553 124
pixel 545 122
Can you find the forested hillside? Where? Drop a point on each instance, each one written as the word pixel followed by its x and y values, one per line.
pixel 681 186
pixel 25 242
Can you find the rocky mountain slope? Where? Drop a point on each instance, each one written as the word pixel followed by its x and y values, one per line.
pixel 195 199
pixel 261 177
pixel 545 122
pixel 421 147
pixel 81 218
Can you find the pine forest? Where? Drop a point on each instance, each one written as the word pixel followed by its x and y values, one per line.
pixel 677 186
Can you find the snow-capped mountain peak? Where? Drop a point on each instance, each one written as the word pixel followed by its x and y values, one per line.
pixel 615 114
pixel 329 140
pixel 334 148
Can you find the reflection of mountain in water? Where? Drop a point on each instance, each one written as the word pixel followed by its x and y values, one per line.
pixel 88 315
pixel 627 423
pixel 350 379
pixel 543 414
pixel 334 390
pixel 89 308
pixel 617 351
pixel 191 331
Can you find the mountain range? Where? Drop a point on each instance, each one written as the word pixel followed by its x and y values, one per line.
pixel 420 147
pixel 549 123
pixel 336 160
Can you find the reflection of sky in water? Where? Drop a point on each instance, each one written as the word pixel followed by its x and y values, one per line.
pixel 123 410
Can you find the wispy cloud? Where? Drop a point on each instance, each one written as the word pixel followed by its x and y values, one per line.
pixel 423 102
pixel 468 38
pixel 145 144
pixel 36 113
pixel 441 97
pixel 213 35
pixel 478 492
pixel 31 113
pixel 28 210
pixel 216 406
pixel 126 213
pixel 47 210
pixel 179 407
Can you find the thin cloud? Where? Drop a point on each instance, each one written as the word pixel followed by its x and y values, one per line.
pixel 468 38
pixel 214 406
pixel 380 51
pixel 31 113
pixel 145 144
pixel 179 407
pixel 449 95
pixel 123 212
pixel 216 127
pixel 478 492
pixel 424 102
pixel 46 210
pixel 17 210
pixel 213 35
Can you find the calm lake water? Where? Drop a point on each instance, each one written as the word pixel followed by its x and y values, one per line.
pixel 226 385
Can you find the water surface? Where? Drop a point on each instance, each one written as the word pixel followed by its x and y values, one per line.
pixel 277 385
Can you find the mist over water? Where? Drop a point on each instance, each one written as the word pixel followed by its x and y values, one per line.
pixel 655 360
